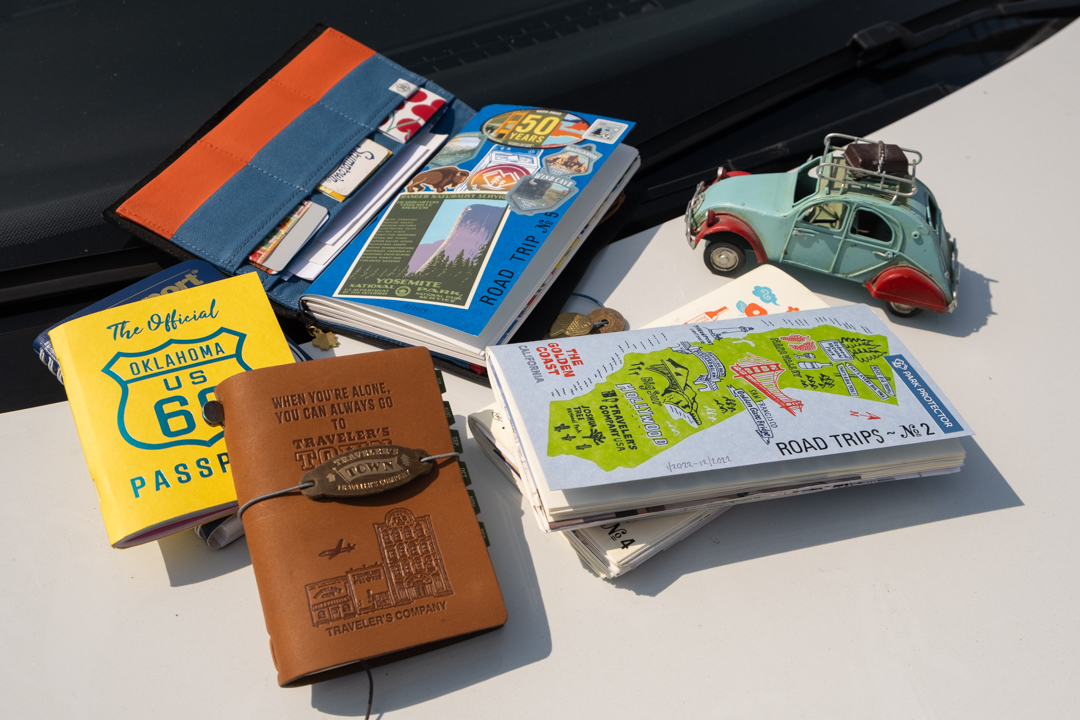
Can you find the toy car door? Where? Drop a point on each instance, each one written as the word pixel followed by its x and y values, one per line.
pixel 817 235
pixel 869 244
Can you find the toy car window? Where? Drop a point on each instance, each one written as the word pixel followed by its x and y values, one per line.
pixel 871 225
pixel 827 215
pixel 932 213
pixel 805 186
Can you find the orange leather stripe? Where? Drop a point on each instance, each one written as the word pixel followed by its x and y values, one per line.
pixel 168 200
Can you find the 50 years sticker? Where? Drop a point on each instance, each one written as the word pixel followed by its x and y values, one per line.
pixel 532 128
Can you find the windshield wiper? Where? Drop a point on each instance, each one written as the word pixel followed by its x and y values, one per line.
pixel 890 38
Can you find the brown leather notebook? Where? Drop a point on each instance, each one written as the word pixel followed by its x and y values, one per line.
pixel 369 579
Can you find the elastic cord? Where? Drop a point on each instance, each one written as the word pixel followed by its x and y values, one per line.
pixel 370 689
pixel 439 457
pixel 588 297
pixel 267 496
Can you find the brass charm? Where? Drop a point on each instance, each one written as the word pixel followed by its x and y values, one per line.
pixel 570 325
pixel 366 471
pixel 323 340
pixel 615 321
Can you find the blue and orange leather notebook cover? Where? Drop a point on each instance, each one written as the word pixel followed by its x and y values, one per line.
pixel 267 151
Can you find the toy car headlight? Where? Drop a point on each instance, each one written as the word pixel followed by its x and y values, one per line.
pixel 691 208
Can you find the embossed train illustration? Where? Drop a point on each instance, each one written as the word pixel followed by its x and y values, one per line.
pixel 412 568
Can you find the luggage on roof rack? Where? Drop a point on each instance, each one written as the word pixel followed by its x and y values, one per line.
pixel 867 166
pixel 878 157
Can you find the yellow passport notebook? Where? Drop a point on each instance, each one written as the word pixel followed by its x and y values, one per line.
pixel 136 378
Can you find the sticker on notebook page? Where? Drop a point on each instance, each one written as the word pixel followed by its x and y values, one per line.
pixel 532 128
pixel 540 192
pixel 411 115
pixel 504 155
pixel 502 168
pixel 497 178
pixel 574 160
pixel 606 131
pixel 429 248
pixel 461 148
pixel 437 180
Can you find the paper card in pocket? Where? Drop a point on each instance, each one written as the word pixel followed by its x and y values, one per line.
pixel 408 117
pixel 271 241
pixel 357 167
pixel 311 221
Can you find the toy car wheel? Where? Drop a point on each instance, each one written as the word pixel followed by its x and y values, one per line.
pixel 901 310
pixel 723 258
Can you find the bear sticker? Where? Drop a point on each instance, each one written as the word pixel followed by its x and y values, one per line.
pixel 439 179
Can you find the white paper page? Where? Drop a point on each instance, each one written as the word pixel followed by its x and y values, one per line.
pixel 606 409
pixel 364 206
pixel 765 290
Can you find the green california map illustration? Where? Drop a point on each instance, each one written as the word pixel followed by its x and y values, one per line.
pixel 656 399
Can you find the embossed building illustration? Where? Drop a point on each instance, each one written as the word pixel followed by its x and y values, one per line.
pixel 412 568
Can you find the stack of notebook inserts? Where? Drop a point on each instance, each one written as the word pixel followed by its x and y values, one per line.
pixel 648 434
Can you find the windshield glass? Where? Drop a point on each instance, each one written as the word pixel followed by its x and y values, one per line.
pixel 805 185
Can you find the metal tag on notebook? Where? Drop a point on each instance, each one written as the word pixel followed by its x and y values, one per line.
pixel 570 325
pixel 366 471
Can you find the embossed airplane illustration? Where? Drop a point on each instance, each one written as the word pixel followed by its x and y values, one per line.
pixel 335 551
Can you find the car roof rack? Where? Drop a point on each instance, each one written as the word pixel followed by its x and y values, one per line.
pixel 835 172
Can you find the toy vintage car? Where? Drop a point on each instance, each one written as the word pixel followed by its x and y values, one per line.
pixel 857 212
